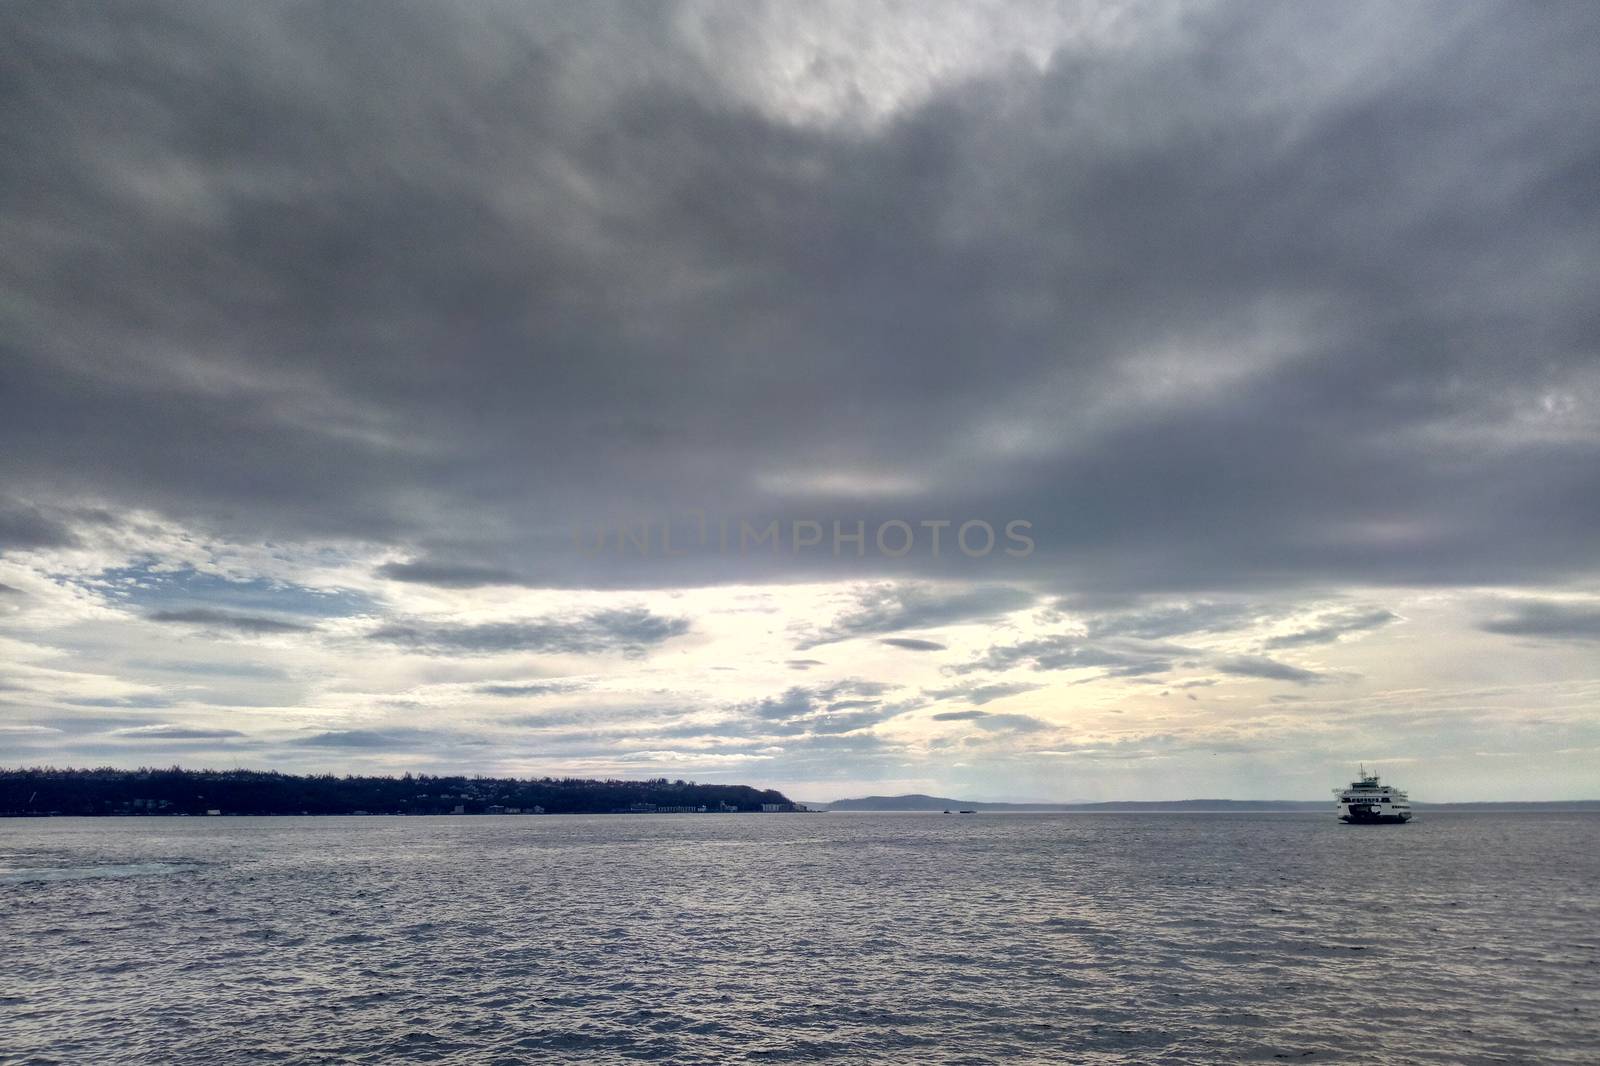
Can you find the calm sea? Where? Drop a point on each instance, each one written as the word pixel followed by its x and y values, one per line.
pixel 776 938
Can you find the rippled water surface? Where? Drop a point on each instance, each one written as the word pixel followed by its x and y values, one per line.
pixel 776 938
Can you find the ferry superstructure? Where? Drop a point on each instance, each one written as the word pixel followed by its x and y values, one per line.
pixel 1365 801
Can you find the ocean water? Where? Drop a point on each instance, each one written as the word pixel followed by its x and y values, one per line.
pixel 1093 938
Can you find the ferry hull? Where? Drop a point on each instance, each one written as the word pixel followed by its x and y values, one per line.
pixel 1363 818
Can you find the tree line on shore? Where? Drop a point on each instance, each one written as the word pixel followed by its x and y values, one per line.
pixel 176 791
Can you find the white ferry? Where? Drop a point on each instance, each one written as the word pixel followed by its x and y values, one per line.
pixel 1367 802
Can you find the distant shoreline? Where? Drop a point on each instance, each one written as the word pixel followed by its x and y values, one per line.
pixel 936 804
pixel 1575 807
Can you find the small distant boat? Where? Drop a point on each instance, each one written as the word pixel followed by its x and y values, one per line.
pixel 1366 802
pixel 966 812
pixel 947 810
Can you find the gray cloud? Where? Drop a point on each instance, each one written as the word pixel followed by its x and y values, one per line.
pixel 1118 658
pixel 1548 619
pixel 819 711
pixel 629 632
pixel 854 686
pixel 980 694
pixel 256 671
pixel 84 724
pixel 912 644
pixel 1334 626
pixel 212 618
pixel 1171 620
pixel 891 608
pixel 794 703
pixel 173 732
pixel 996 723
pixel 531 688
pixel 1270 669
pixel 121 701
pixel 1013 723
pixel 384 739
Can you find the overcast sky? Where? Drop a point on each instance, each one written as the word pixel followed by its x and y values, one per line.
pixel 500 387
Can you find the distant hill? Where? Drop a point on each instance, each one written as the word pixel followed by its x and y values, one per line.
pixel 176 792
pixel 919 802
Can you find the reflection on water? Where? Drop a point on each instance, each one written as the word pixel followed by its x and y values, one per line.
pixel 1106 938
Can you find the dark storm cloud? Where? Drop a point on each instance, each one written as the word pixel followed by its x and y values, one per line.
pixel 1547 619
pixel 25 526
pixel 912 644
pixel 456 576
pixel 1242 306
pixel 1270 669
pixel 211 618
pixel 630 632
pixel 1334 626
